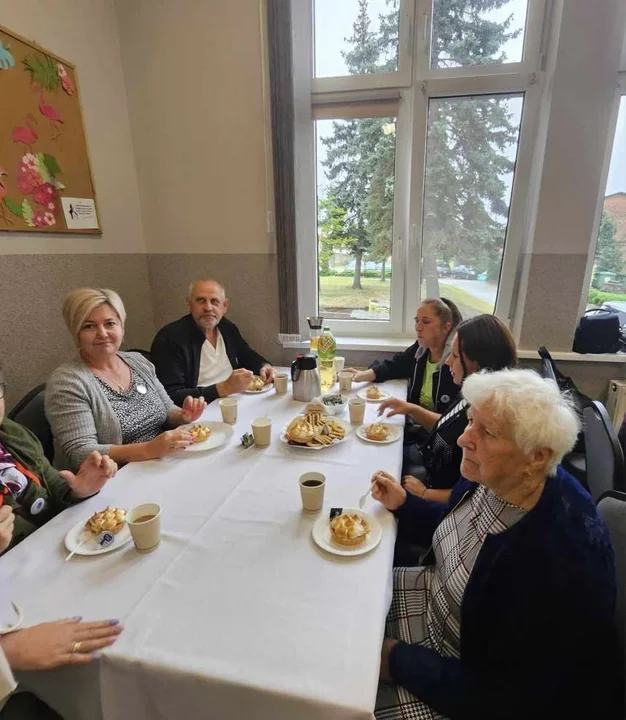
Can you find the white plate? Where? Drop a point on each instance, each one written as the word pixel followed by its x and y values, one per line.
pixel 220 434
pixel 91 547
pixel 264 389
pixel 284 439
pixel 384 395
pixel 323 538
pixel 394 432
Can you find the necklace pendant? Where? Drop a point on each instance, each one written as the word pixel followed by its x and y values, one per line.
pixel 142 389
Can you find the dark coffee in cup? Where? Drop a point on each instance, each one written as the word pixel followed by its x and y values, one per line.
pixel 312 483
pixel 144 518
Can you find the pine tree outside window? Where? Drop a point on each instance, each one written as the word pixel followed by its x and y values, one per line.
pixel 414 139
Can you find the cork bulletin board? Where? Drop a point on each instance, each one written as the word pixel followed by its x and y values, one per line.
pixel 45 176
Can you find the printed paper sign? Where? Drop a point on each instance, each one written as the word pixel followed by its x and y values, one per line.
pixel 80 213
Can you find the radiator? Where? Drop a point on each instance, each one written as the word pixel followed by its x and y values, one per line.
pixel 616 402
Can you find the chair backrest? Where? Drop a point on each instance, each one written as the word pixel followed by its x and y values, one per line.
pixel 145 353
pixel 603 453
pixel 29 412
pixel 612 507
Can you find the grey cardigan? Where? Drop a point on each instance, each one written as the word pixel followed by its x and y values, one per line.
pixel 80 415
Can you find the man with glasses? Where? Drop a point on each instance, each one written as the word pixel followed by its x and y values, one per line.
pixel 31 490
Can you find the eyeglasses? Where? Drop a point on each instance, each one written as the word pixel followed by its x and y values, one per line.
pixel 2 388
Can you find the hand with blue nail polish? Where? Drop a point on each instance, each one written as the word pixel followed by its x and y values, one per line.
pixel 64 642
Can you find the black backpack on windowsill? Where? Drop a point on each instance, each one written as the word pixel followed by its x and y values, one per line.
pixel 598 332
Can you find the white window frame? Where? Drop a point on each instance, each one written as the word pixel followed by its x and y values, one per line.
pixel 620 92
pixel 526 78
pixel 373 81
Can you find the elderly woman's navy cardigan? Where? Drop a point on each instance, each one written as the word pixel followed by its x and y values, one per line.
pixel 537 619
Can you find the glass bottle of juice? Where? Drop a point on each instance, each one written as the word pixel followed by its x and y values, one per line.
pixel 315 330
pixel 326 351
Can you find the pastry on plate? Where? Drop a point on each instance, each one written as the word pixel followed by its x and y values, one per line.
pixel 256 384
pixel 199 433
pixel 300 431
pixel 349 529
pixel 373 393
pixel 110 520
pixel 376 431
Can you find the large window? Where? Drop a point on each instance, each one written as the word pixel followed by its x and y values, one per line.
pixel 608 274
pixel 414 130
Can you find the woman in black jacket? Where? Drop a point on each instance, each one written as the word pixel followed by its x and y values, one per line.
pixel 423 364
pixel 431 468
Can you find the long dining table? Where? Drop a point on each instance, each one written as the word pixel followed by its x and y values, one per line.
pixel 237 613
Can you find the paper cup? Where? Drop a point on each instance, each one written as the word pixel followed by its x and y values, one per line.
pixel 281 383
pixel 339 364
pixel 357 410
pixel 262 431
pixel 144 523
pixel 228 406
pixel 345 380
pixel 312 486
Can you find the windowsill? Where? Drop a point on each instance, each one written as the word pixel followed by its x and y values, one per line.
pixel 399 343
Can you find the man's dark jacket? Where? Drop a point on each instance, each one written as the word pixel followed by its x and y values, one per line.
pixel 176 353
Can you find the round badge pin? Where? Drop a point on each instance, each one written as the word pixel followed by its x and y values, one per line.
pixel 37 506
pixel 142 389
pixel 445 398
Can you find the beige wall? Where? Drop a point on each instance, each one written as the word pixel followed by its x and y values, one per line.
pixel 37 270
pixel 195 77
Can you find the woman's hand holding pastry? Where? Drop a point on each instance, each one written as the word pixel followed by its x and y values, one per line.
pixel 387 490
pixel 395 407
pixel 192 409
pixel 168 442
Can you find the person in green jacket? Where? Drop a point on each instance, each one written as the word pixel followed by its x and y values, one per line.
pixel 32 487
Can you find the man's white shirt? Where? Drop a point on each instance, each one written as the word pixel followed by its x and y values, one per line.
pixel 215 366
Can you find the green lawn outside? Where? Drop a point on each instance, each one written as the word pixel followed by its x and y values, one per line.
pixel 336 292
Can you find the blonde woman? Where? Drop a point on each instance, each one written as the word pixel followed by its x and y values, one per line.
pixel 108 400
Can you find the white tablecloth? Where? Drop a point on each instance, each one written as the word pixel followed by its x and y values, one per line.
pixel 238 613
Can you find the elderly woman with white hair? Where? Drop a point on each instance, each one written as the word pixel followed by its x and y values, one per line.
pixel 512 614
pixel 108 400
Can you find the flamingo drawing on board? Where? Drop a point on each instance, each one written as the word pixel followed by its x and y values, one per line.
pixel 53 115
pixel 26 133
pixel 4 190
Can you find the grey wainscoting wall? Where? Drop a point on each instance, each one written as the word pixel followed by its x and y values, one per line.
pixel 251 286
pixel 33 337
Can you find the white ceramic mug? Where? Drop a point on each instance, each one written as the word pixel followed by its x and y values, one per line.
pixel 228 406
pixel 281 383
pixel 144 523
pixel 357 410
pixel 312 485
pixel 262 431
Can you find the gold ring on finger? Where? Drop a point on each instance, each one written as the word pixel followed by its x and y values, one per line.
pixel 76 647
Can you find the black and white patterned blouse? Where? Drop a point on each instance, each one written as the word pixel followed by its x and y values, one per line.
pixel 456 544
pixel 141 416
